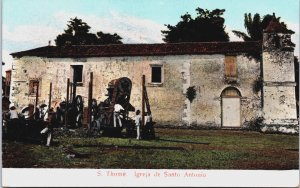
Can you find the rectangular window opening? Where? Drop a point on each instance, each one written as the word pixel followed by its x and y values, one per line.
pixel 77 73
pixel 156 74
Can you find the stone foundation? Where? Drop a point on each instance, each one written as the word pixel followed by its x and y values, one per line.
pixel 276 128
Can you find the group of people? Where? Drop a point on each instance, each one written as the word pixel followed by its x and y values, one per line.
pixel 29 123
pixel 138 119
pixel 29 114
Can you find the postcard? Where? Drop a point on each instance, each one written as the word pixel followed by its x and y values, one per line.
pixel 147 93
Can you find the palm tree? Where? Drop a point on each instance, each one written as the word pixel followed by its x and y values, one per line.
pixel 255 26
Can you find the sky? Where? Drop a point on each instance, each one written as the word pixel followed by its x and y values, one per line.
pixel 28 24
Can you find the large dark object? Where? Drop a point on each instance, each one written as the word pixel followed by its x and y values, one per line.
pixel 72 113
pixel 104 116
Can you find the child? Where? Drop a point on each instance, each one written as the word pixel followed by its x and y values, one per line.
pixel 138 119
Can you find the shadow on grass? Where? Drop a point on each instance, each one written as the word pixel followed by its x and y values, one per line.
pixel 183 141
pixel 128 147
pixel 297 150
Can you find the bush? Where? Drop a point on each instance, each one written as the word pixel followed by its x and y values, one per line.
pixel 255 124
pixel 258 85
pixel 191 93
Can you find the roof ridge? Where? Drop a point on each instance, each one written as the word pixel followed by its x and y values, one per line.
pixel 141 49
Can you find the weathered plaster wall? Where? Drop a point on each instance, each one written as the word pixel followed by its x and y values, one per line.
pixel 279 109
pixel 278 66
pixel 208 75
pixel 279 87
pixel 168 101
pixel 281 105
pixel 249 71
pixel 42 69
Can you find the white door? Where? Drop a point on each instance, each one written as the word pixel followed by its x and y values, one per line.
pixel 231 116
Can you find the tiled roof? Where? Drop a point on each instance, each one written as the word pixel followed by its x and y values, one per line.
pixel 142 49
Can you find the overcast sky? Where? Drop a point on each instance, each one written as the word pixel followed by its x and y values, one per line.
pixel 29 24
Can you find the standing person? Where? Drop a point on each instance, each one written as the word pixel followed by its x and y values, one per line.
pixel 117 114
pixel 150 134
pixel 138 120
pixel 13 114
pixel 47 132
pixel 13 131
pixel 148 118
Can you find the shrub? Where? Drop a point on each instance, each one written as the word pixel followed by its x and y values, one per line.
pixel 191 93
pixel 255 124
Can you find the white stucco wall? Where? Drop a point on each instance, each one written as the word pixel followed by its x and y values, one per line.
pixel 278 66
pixel 280 105
pixel 168 101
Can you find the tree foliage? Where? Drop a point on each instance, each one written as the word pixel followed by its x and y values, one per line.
pixel 77 33
pixel 208 26
pixel 191 93
pixel 255 26
pixel 106 38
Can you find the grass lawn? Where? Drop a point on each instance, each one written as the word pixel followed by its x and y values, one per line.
pixel 172 149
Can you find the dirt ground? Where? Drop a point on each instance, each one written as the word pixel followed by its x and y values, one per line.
pixel 172 149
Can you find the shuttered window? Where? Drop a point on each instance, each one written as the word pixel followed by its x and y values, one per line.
pixel 33 87
pixel 230 67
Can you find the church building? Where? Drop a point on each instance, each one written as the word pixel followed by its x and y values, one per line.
pixel 209 84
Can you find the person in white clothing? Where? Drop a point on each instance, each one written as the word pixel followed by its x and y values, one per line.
pixel 138 120
pixel 13 114
pixel 13 129
pixel 148 118
pixel 117 114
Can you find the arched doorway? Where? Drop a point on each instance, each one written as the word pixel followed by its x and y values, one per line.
pixel 231 107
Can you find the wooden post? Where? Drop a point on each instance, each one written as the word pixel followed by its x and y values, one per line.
pixel 36 98
pixel 50 95
pixel 143 101
pixel 67 103
pixel 90 97
pixel 74 91
pixel 71 91
pixel 37 94
pixel 5 88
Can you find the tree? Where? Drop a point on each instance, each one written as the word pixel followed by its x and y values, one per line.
pixel 106 38
pixel 208 26
pixel 255 26
pixel 77 33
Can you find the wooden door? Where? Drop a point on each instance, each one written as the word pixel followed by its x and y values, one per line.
pixel 231 112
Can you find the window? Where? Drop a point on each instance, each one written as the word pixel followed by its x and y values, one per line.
pixel 230 67
pixel 33 87
pixel 77 73
pixel 156 74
